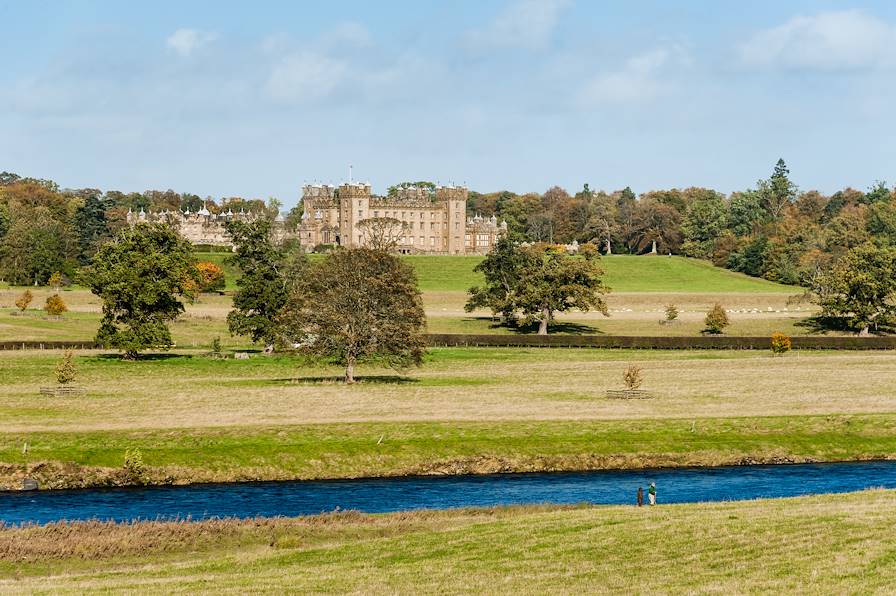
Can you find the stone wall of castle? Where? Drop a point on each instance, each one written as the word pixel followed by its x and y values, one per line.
pixel 204 227
pixel 417 220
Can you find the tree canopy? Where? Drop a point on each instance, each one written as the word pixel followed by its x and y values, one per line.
pixel 357 305
pixel 535 282
pixel 859 292
pixel 263 288
pixel 141 276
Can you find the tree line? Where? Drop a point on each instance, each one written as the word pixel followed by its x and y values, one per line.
pixel 45 229
pixel 772 230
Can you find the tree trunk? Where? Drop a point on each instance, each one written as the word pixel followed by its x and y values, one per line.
pixel 545 319
pixel 866 331
pixel 350 371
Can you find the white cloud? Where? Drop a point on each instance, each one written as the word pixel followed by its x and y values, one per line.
pixel 525 24
pixel 350 32
pixel 639 80
pixel 185 41
pixel 840 40
pixel 305 76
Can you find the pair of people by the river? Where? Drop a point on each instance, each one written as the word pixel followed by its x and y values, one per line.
pixel 651 494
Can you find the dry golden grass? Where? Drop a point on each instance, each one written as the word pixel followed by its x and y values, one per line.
pixel 457 385
pixel 819 545
pixel 631 314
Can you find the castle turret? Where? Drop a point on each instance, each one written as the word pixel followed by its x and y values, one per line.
pixel 455 198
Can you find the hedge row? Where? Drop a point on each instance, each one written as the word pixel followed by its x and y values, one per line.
pixel 700 342
pixel 717 342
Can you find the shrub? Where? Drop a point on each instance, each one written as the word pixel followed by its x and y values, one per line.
pixel 65 370
pixel 216 345
pixel 780 343
pixel 671 312
pixel 24 300
pixel 633 377
pixel 55 305
pixel 55 280
pixel 716 319
pixel 134 466
pixel 211 277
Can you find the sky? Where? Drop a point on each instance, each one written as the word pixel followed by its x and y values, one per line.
pixel 256 99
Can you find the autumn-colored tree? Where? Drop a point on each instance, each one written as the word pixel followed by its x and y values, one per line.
pixel 66 372
pixel 55 305
pixel 55 281
pixel 23 301
pixel 211 277
pixel 357 305
pixel 633 377
pixel 716 320
pixel 780 343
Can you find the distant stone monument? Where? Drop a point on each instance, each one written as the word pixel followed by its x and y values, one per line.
pixel 653 248
pixel 609 250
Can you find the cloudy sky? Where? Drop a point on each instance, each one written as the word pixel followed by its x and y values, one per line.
pixel 228 98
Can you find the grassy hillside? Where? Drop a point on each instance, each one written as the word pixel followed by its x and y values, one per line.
pixel 623 274
pixel 836 544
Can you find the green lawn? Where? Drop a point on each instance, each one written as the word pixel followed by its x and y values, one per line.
pixel 399 448
pixel 467 410
pixel 832 544
pixel 623 274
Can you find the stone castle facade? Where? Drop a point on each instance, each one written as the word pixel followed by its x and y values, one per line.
pixel 415 220
pixel 204 227
pixel 412 220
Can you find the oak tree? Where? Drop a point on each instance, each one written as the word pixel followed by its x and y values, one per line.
pixel 357 305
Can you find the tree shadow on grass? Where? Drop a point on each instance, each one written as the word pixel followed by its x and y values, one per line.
pixel 566 328
pixel 328 380
pixel 154 357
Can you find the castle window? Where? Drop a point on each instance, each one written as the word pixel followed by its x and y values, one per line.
pixel 402 214
pixel 422 240
pixel 360 213
pixel 432 240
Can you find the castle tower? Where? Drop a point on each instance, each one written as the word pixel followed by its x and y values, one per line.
pixel 354 205
pixel 455 199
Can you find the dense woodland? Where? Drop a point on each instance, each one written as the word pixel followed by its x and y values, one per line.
pixel 773 230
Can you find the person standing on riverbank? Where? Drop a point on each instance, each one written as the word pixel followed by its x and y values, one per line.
pixel 640 496
pixel 651 493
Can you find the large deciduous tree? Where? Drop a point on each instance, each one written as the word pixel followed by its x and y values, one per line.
pixel 357 305
pixel 263 287
pixel 536 282
pixel 859 292
pixel 382 233
pixel 501 269
pixel 141 276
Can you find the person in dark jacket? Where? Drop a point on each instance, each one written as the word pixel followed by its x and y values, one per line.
pixel 640 497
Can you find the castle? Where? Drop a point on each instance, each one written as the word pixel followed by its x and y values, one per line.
pixel 410 220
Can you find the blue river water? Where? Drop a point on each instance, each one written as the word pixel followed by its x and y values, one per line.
pixel 681 485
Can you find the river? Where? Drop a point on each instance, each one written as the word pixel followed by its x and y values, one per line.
pixel 674 485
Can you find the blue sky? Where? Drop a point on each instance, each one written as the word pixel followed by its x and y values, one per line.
pixel 229 98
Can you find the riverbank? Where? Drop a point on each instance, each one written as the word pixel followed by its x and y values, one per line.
pixel 780 546
pixel 333 451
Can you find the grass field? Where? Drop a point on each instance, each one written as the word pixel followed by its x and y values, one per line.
pixel 642 286
pixel 841 544
pixel 466 410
